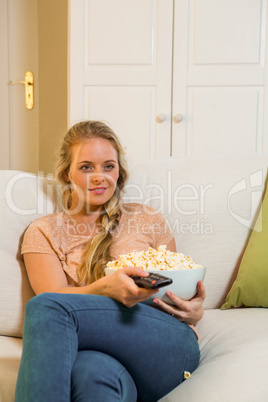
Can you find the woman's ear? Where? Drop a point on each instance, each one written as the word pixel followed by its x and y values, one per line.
pixel 66 177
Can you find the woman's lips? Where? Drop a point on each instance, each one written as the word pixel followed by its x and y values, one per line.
pixel 97 190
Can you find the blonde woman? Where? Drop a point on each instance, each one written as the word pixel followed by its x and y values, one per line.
pixel 88 337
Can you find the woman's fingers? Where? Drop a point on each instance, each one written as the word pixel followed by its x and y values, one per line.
pixel 179 303
pixel 178 312
pixel 134 271
pixel 187 311
pixel 127 292
pixel 201 291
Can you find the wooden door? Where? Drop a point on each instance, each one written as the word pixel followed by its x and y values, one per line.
pixel 18 54
pixel 220 77
pixel 120 70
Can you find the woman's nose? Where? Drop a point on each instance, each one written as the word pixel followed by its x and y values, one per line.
pixel 97 178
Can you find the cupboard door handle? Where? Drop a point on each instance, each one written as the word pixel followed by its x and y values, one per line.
pixel 178 118
pixel 161 118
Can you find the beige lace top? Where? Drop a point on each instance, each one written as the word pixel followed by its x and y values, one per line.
pixel 140 227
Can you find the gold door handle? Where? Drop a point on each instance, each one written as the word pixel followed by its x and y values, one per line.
pixel 29 85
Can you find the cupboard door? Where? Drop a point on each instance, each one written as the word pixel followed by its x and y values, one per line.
pixel 120 70
pixel 219 77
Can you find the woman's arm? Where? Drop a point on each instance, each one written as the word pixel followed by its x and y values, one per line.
pixel 45 274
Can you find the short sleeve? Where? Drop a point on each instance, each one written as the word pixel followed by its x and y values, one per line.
pixel 37 240
pixel 162 232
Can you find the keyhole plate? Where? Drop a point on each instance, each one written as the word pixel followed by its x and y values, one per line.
pixel 29 85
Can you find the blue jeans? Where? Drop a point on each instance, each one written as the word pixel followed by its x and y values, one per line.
pixel 93 348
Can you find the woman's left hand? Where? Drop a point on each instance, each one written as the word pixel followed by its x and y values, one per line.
pixel 190 311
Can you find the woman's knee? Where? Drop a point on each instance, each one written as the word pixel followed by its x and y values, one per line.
pixel 42 310
pixel 42 299
pixel 52 301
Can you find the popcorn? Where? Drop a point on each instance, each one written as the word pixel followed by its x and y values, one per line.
pixel 150 260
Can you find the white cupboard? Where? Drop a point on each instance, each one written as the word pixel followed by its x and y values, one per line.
pixel 172 78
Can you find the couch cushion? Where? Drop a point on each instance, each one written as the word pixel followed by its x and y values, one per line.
pixel 251 285
pixel 10 352
pixel 234 356
pixel 23 197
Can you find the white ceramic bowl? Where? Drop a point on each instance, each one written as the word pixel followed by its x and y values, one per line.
pixel 184 282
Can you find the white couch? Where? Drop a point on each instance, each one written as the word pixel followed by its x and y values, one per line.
pixel 210 204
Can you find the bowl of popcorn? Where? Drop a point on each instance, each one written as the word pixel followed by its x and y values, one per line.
pixel 184 273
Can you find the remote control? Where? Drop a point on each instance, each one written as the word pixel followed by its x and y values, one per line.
pixel 153 281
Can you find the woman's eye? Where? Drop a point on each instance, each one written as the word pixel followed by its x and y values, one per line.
pixel 109 167
pixel 86 167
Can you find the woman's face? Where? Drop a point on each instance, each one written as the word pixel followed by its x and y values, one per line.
pixel 94 173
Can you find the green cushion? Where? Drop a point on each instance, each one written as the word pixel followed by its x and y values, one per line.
pixel 251 285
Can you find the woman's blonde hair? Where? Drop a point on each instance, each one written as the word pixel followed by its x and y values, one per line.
pixel 97 250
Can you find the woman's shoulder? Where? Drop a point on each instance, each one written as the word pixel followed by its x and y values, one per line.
pixel 136 209
pixel 147 221
pixel 46 221
pixel 131 206
pixel 42 235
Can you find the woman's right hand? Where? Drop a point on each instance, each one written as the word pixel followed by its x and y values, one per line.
pixel 121 287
